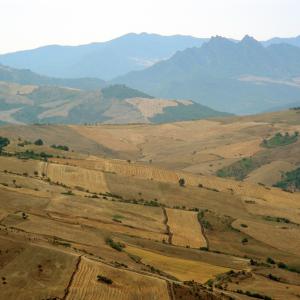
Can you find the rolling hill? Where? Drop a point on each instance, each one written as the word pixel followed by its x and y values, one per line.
pixel 27 104
pixel 27 77
pixel 240 77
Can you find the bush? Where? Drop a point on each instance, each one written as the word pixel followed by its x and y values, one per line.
pixel 272 277
pixel 115 245
pixel 3 142
pixel 181 182
pixel 39 142
pixel 60 147
pixel 104 279
pixel 270 261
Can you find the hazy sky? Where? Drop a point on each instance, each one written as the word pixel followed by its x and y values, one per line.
pixel 31 23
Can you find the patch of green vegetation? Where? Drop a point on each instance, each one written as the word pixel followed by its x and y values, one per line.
pixel 115 245
pixel 284 266
pixel 60 147
pixel 3 142
pixel 240 169
pixel 39 142
pixel 253 295
pixel 29 154
pixel 280 140
pixel 290 181
pixel 121 92
pixel 181 112
pixel 270 261
pixel 273 277
pixel 203 221
pixel 277 219
pixel 60 242
pixel 69 193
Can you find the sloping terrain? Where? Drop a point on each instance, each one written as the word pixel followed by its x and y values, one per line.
pixel 117 104
pixel 103 225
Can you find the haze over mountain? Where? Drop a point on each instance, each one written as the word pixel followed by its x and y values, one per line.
pixel 110 59
pixel 103 60
pixel 25 76
pixel 294 41
pixel 239 77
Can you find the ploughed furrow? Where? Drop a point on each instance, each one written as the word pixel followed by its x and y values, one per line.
pixel 126 285
pixel 185 228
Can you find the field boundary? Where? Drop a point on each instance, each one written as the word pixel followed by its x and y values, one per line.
pixel 169 233
pixel 67 289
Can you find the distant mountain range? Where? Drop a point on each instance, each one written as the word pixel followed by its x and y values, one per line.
pixel 116 104
pixel 108 60
pixel 239 77
pixel 101 60
pixel 294 41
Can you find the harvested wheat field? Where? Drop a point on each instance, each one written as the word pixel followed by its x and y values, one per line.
pixel 113 206
pixel 75 177
pixel 271 173
pixel 277 235
pixel 125 284
pixel 185 228
pixel 182 269
pixel 33 272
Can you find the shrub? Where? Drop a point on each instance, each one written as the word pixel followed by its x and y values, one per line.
pixel 3 142
pixel 39 142
pixel 115 245
pixel 104 279
pixel 272 277
pixel 181 182
pixel 60 147
pixel 270 261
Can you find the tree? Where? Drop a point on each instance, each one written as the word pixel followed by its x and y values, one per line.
pixel 181 182
pixel 3 142
pixel 39 142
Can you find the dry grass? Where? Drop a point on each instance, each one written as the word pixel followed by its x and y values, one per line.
pixel 25 279
pixel 278 235
pixel 183 269
pixel 185 228
pixel 271 173
pixel 126 285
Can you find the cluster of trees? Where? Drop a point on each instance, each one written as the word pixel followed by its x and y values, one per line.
pixel 3 142
pixel 280 139
pixel 60 147
pixel 290 181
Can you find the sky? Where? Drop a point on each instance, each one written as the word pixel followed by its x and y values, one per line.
pixel 27 24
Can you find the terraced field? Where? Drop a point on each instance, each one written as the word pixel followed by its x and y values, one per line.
pixel 182 269
pixel 125 285
pixel 185 228
pixel 113 206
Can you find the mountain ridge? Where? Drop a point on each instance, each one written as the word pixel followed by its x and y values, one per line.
pixel 213 74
